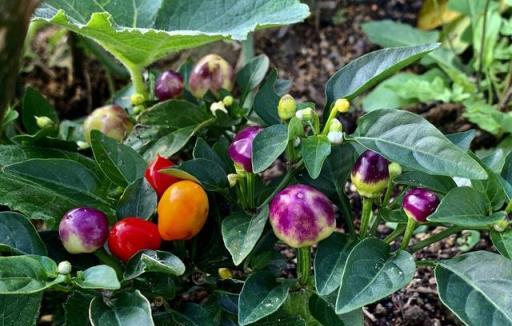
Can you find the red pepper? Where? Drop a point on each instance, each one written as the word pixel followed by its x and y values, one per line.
pixel 160 181
pixel 131 235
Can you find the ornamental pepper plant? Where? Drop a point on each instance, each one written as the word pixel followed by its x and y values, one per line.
pixel 176 206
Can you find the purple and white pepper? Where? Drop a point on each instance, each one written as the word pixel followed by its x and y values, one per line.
pixel 83 230
pixel 420 203
pixel 302 216
pixel 111 120
pixel 169 85
pixel 370 174
pixel 211 73
pixel 240 149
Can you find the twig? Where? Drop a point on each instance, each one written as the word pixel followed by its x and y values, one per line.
pixel 506 98
pixel 482 45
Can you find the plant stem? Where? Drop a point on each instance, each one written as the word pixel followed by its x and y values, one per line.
pixel 375 225
pixel 436 237
pixel 332 115
pixel 365 216
pixel 346 212
pixel 482 45
pixel 387 195
pixel 108 260
pixel 137 79
pixel 303 265
pixel 393 235
pixel 409 230
pixel 250 179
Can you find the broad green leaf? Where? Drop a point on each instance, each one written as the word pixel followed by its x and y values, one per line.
pixel 465 206
pixel 98 277
pixel 315 149
pixel 487 116
pixel 19 236
pixel 476 287
pixel 503 242
pixel 20 309
pixel 34 104
pixel 153 261
pixel 120 163
pixel 261 296
pixel 124 309
pixel 76 310
pixel 281 318
pixel 437 183
pixel 203 150
pixel 368 70
pixel 142 32
pixel 410 140
pixel 506 172
pixel 252 74
pixel 27 274
pixel 330 259
pixel 240 233
pixel 371 273
pixel 267 98
pixel 324 313
pixel 393 216
pixel 208 173
pixel 462 139
pixel 491 187
pixel 138 200
pixel 174 114
pixel 268 146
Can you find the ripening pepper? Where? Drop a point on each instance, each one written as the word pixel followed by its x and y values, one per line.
pixel 301 216
pixel 158 180
pixel 419 204
pixel 83 230
pixel 182 211
pixel 370 174
pixel 111 120
pixel 168 85
pixel 212 73
pixel 240 149
pixel 132 234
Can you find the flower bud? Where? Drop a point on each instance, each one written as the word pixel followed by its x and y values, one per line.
pixel 83 230
pixel 44 122
pixel 82 144
pixel 296 142
pixel 420 203
pixel 111 120
pixel 335 137
pixel 287 107
pixel 335 125
pixel 370 174
pixel 218 106
pixel 211 73
pixel 301 216
pixel 232 179
pixel 168 85
pixel 137 99
pixel 64 267
pixel 501 226
pixel 225 273
pixel 341 105
pixel 394 170
pixel 305 114
pixel 228 100
pixel 240 149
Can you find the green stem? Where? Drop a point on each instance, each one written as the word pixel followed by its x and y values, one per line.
pixel 303 265
pixel 375 225
pixel 250 180
pixel 482 45
pixel 388 193
pixel 332 115
pixel 395 234
pixel 137 79
pixel 365 216
pixel 436 237
pixel 409 230
pixel 108 260
pixel 346 212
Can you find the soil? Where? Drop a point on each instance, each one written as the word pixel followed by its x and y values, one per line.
pixel 306 53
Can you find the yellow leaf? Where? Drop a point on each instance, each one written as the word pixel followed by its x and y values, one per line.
pixel 435 13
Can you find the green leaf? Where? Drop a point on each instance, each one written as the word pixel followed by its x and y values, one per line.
pixel 330 260
pixel 124 309
pixel 261 296
pixel 281 318
pixel 251 75
pixel 120 163
pixel 208 173
pixel 34 104
pixel 267 98
pixel 98 277
pixel 491 187
pixel 467 207
pixel 462 139
pixel 75 312
pixel 487 116
pixel 322 311
pixel 393 216
pixel 27 274
pixel 476 288
pixel 268 145
pixel 138 200
pixel 371 273
pixel 141 33
pixel 241 232
pixel 437 183
pixel 503 242
pixel 315 149
pixel 203 150
pixel 19 236
pixel 20 309
pixel 153 261
pixel 366 71
pixel 174 114
pixel 410 140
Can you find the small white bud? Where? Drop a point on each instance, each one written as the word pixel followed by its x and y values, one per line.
pixel 218 106
pixel 64 267
pixel 305 114
pixel 44 122
pixel 232 179
pixel 335 125
pixel 82 144
pixel 335 137
pixel 296 142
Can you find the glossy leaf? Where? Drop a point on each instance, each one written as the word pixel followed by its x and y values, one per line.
pixel 503 242
pixel 268 145
pixel 462 139
pixel 324 313
pixel 124 309
pixel 437 183
pixel 491 187
pixel 267 98
pixel 371 273
pixel 208 173
pixel 241 232
pixel 203 150
pixel 138 200
pixel 20 309
pixel 174 114
pixel 98 277
pixel 410 140
pixel 153 261
pixel 476 288
pixel 76 310
pixel 315 149
pixel 19 236
pixel 252 74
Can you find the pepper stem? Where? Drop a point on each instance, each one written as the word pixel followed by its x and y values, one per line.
pixel 303 265
pixel 137 80
pixel 332 115
pixel 409 230
pixel 365 216
pixel 250 190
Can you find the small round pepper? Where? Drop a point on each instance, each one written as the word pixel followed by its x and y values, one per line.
pixel 83 230
pixel 240 149
pixel 168 85
pixel 111 120
pixel 182 211
pixel 158 180
pixel 212 73
pixel 132 234
pixel 370 174
pixel 420 203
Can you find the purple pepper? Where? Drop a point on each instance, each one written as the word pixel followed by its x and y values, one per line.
pixel 240 149
pixel 370 174
pixel 169 85
pixel 302 216
pixel 83 230
pixel 212 73
pixel 420 203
